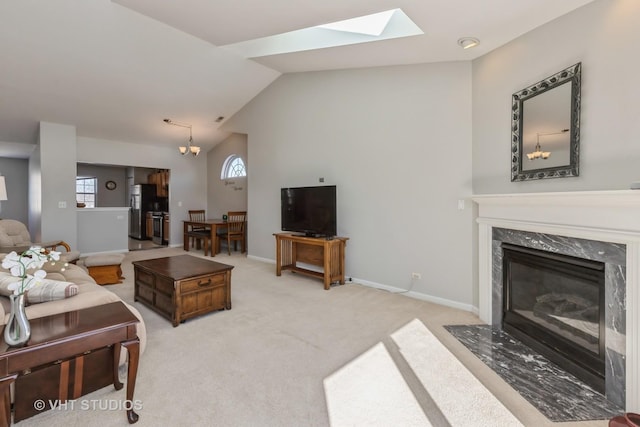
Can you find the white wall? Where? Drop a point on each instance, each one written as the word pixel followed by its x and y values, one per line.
pixel 35 190
pixel 226 195
pixel 188 185
pixel 604 36
pixel 397 143
pixel 57 175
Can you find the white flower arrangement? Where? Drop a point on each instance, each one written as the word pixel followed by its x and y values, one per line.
pixel 33 258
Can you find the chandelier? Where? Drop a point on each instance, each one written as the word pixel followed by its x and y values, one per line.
pixel 538 153
pixel 189 148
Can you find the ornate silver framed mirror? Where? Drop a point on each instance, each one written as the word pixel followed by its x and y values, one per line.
pixel 545 127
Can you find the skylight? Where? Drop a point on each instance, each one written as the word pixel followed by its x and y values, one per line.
pixel 372 25
pixel 385 25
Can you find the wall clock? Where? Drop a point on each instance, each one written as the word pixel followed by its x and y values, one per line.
pixel 111 185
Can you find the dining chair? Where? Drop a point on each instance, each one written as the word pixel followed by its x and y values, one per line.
pixel 196 215
pixel 235 231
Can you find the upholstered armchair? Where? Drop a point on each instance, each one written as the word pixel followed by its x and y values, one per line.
pixel 14 236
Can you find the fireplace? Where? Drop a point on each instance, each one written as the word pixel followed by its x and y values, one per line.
pixel 556 304
pixel 596 225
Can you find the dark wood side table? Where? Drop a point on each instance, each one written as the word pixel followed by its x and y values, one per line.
pixel 64 342
pixel 183 286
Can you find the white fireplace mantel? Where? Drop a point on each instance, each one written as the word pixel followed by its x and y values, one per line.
pixel 608 216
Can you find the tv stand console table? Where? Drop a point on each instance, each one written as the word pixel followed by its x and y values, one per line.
pixel 327 253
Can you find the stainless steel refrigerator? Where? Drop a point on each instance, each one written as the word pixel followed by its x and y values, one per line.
pixel 143 198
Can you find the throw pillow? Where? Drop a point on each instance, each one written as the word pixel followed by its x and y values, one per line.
pixel 47 290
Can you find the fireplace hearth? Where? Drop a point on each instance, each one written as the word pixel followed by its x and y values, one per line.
pixel 555 304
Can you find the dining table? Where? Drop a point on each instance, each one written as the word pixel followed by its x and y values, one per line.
pixel 213 225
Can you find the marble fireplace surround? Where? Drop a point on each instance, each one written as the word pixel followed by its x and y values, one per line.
pixel 602 216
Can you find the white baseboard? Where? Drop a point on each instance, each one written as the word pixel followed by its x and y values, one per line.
pixel 116 251
pixel 392 289
pixel 267 260
pixel 416 295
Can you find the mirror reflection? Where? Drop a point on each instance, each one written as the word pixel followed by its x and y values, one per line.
pixel 546 127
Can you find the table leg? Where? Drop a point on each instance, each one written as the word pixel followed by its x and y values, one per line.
pixel 117 384
pixel 327 265
pixel 133 348
pixel 5 406
pixel 185 245
pixel 228 288
pixel 214 239
pixel 341 260
pixel 278 256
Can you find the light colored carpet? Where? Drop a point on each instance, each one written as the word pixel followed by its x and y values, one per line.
pixel 460 396
pixel 263 363
pixel 370 391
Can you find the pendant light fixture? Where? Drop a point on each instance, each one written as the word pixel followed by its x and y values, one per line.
pixel 189 148
pixel 538 153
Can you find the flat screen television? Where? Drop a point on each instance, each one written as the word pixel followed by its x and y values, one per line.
pixel 309 210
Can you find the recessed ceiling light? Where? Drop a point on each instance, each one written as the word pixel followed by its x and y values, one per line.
pixel 468 42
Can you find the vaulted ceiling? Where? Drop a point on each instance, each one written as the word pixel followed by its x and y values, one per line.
pixel 116 69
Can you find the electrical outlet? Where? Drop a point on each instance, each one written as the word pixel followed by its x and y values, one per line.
pixel 416 276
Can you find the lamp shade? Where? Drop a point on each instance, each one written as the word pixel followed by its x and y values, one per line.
pixel 3 189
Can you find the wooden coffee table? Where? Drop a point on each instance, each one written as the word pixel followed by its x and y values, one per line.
pixel 184 286
pixel 69 355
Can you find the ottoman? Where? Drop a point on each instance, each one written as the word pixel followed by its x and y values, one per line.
pixel 105 269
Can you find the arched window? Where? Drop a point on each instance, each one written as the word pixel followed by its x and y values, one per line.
pixel 233 167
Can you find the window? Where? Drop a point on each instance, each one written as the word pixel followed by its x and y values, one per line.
pixel 86 190
pixel 233 167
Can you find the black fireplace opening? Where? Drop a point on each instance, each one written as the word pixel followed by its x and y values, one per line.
pixel 555 304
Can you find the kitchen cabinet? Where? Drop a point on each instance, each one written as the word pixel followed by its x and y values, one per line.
pixel 165 229
pixel 149 224
pixel 161 181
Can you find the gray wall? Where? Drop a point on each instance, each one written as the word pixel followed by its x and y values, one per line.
pixel 105 197
pixel 226 195
pixel 16 173
pixel 397 143
pixel 604 36
pixel 51 177
pixel 188 185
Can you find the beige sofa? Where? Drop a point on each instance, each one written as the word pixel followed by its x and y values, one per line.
pixel 89 294
pixel 14 236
